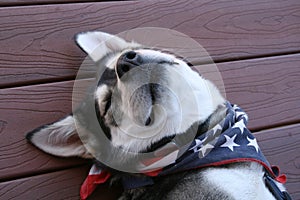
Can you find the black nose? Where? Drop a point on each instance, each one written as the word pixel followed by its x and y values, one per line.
pixel 131 56
pixel 128 61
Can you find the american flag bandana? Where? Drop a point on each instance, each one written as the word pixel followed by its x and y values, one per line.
pixel 228 142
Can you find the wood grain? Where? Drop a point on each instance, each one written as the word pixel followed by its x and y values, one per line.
pixel 281 146
pixel 38 2
pixel 58 185
pixel 268 89
pixel 23 109
pixel 37 44
pixel 269 92
pixel 256 46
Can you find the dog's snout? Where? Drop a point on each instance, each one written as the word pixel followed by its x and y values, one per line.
pixel 128 61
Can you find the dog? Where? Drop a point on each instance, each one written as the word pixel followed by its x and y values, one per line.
pixel 194 143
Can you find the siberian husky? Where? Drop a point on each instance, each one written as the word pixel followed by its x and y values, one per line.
pixel 151 102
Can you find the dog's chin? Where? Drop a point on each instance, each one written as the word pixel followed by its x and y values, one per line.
pixel 140 112
pixel 149 116
pixel 143 104
pixel 148 119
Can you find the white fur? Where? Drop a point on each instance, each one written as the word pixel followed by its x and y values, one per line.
pixel 100 95
pixel 240 182
pixel 57 139
pixel 192 104
pixel 97 44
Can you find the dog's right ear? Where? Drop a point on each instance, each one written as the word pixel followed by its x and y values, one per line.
pixel 97 44
pixel 59 138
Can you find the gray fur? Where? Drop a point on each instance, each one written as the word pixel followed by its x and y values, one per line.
pixel 186 185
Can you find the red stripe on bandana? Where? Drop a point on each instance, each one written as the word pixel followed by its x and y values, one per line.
pixel 96 176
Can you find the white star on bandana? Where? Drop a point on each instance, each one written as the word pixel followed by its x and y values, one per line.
pixel 253 143
pixel 238 114
pixel 197 145
pixel 230 142
pixel 217 129
pixel 240 125
pixel 205 148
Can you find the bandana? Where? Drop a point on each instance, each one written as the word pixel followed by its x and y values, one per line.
pixel 228 142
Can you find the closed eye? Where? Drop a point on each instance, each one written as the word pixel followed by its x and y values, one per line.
pixel 107 106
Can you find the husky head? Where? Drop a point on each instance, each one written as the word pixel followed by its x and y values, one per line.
pixel 143 97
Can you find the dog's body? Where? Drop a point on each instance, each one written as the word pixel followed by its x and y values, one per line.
pixel 237 181
pixel 143 100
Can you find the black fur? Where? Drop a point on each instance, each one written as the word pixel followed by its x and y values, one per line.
pixel 183 185
pixel 159 144
pixel 30 134
pixel 108 77
pixel 105 129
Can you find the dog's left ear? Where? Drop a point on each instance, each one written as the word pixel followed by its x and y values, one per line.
pixel 59 138
pixel 97 44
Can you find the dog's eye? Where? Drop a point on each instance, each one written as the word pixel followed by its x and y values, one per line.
pixel 107 106
pixel 189 64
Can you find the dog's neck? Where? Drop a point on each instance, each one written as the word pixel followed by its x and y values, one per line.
pixel 196 130
pixel 209 123
pixel 215 118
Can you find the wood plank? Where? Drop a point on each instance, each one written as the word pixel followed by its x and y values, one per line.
pixel 281 146
pixel 58 185
pixel 37 2
pixel 22 109
pixel 268 89
pixel 270 96
pixel 37 44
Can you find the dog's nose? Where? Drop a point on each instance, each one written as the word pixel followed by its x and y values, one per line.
pixel 128 61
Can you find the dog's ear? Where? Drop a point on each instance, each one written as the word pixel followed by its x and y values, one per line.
pixel 97 44
pixel 59 138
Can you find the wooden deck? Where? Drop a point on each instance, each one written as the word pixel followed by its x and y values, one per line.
pixel 256 45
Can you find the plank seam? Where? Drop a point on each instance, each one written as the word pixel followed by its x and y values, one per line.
pixel 70 78
pixel 249 58
pixel 89 162
pixel 33 174
pixel 24 4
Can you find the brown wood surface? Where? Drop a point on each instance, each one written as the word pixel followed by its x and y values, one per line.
pixel 62 185
pixel 23 109
pixel 268 89
pixel 281 146
pixel 37 44
pixel 269 100
pixel 256 45
pixel 38 2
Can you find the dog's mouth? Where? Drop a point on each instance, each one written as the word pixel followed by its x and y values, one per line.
pixel 153 88
pixel 143 102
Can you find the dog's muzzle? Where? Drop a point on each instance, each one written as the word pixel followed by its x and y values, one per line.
pixel 144 84
pixel 128 61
